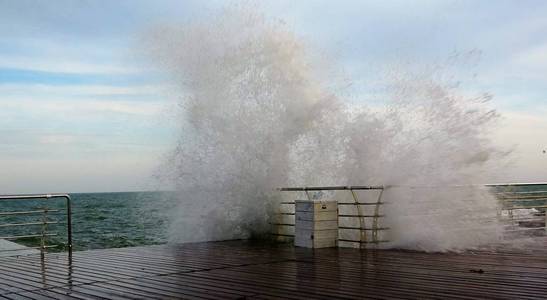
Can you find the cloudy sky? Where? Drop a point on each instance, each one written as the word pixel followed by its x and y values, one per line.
pixel 80 110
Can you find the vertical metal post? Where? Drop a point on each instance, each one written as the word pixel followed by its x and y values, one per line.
pixel 375 218
pixel 43 237
pixel 69 224
pixel 362 223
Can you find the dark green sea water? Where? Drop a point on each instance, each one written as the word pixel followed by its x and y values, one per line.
pixel 99 220
pixel 112 220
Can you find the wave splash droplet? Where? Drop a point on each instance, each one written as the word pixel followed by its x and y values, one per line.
pixel 259 111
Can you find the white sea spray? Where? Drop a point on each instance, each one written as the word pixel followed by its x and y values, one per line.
pixel 260 111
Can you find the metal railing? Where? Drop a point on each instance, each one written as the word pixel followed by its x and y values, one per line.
pixel 522 207
pixel 513 197
pixel 45 213
pixel 369 225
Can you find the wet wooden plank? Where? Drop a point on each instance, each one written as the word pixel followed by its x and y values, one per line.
pixel 251 270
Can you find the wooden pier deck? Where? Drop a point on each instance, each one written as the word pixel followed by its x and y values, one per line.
pixel 251 270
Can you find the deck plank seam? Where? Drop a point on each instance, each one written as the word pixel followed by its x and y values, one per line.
pixel 90 283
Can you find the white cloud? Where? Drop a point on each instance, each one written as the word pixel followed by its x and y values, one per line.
pixel 44 90
pixel 56 55
pixel 145 100
pixel 59 65
pixel 69 108
pixel 122 172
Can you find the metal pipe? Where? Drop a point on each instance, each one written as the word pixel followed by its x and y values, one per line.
pixel 524 207
pixel 329 188
pixel 507 197
pixel 14 237
pixel 364 216
pixel 363 203
pixel 29 212
pixel 362 224
pixel 45 196
pixel 363 229
pixel 27 248
pixel 27 224
pixel 281 224
pixel 362 242
pixel 32 196
pixel 510 201
pixel 69 224
pixel 375 219
pixel 382 187
pixel 523 198
pixel 43 239
pixel 521 193
pixel 517 184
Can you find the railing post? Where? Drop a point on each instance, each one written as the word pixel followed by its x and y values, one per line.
pixel 375 218
pixel 362 222
pixel 44 232
pixel 43 235
pixel 69 223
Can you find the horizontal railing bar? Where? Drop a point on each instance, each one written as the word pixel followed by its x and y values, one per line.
pixel 521 193
pixel 279 234
pixel 27 248
pixel 517 184
pixel 522 196
pixel 330 188
pixel 524 207
pixel 526 229
pixel 362 242
pixel 27 224
pixel 348 203
pixel 524 199
pixel 284 214
pixel 381 187
pixel 14 237
pixel 28 212
pixel 363 229
pixel 32 197
pixel 362 216
pixel 514 225
pixel 363 203
pixel 465 185
pixel 517 219
pixel 281 224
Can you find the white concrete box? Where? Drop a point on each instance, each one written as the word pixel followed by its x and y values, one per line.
pixel 316 223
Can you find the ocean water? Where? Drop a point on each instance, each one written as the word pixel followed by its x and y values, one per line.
pixel 127 219
pixel 99 220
